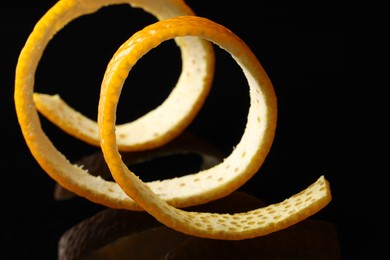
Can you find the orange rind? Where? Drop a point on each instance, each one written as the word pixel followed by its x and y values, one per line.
pixel 244 161
pixel 193 85
pixel 162 199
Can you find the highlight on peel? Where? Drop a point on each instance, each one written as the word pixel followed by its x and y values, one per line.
pixel 244 161
pixel 190 92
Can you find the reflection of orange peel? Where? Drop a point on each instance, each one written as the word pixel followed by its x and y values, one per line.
pixel 192 86
pixel 236 169
pixel 185 143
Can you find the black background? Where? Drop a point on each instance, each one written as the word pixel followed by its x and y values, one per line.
pixel 316 57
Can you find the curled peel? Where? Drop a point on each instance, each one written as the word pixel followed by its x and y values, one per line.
pixel 162 199
pixel 225 177
pixel 193 85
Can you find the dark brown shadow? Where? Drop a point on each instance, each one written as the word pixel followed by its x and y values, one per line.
pixel 121 234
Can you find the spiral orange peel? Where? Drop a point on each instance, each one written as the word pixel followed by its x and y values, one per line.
pixel 161 199
pixel 193 84
pixel 236 169
pixel 190 92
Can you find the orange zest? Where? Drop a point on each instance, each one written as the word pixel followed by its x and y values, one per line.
pixel 235 170
pixel 163 199
pixel 193 84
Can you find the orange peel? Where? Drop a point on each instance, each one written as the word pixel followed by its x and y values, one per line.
pixel 193 84
pixel 162 199
pixel 244 161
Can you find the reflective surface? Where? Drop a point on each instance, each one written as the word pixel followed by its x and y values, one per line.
pixel 118 234
pixel 317 65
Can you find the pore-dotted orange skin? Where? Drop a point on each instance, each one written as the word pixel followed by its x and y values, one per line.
pixel 130 192
pixel 55 164
pixel 236 169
